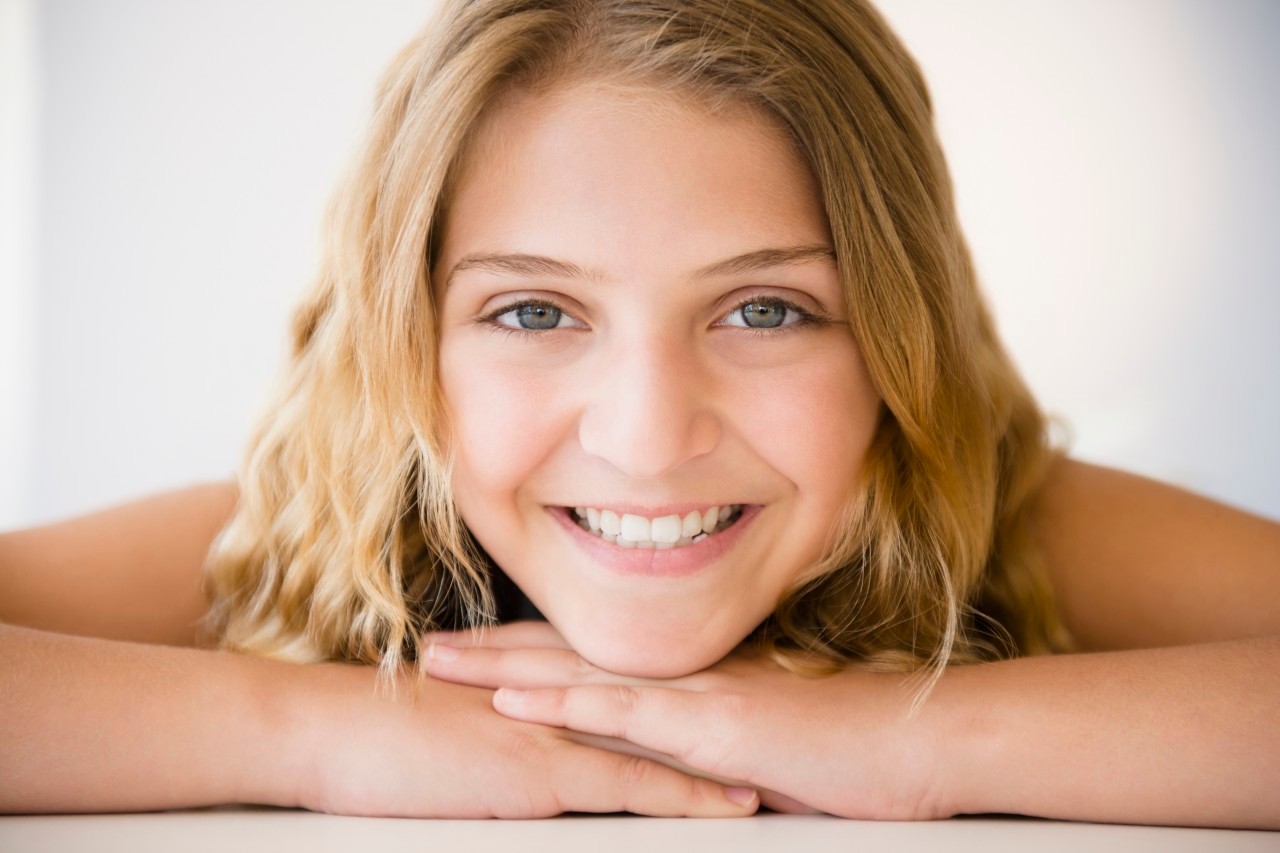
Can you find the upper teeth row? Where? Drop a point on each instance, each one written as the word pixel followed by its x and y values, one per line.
pixel 668 528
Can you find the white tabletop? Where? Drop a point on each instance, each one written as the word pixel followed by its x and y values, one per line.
pixel 236 828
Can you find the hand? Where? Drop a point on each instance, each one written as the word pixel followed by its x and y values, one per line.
pixel 841 745
pixel 441 751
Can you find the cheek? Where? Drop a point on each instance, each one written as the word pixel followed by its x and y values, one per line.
pixel 814 422
pixel 503 419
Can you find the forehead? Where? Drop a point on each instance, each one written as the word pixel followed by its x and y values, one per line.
pixel 612 174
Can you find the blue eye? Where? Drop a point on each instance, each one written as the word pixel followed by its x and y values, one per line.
pixel 763 313
pixel 537 317
pixel 531 316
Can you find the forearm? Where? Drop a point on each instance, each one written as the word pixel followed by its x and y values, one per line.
pixel 90 725
pixel 1176 736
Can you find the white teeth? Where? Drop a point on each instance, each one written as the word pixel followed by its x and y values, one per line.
pixel 609 522
pixel 669 531
pixel 692 524
pixel 709 519
pixel 665 529
pixel 635 528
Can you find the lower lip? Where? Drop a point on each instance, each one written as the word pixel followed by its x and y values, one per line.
pixel 652 562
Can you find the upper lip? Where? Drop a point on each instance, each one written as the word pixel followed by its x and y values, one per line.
pixel 656 510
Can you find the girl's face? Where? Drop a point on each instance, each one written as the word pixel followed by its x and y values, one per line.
pixel 640 315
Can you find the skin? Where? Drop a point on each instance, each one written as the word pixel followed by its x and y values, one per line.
pixel 651 390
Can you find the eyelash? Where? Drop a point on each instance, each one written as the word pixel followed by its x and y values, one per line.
pixel 806 318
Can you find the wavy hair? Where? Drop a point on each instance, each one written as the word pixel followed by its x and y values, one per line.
pixel 346 544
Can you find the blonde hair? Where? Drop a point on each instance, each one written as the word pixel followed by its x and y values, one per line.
pixel 346 544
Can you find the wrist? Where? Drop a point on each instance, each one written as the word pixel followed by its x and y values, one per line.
pixel 968 737
pixel 281 725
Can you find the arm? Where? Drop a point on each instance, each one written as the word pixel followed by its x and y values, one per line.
pixel 1180 736
pixel 131 572
pixel 1180 727
pixel 1136 563
pixel 90 725
pixel 99 725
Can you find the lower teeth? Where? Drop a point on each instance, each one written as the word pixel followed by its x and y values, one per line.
pixel 684 541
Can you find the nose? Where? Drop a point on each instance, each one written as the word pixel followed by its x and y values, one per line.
pixel 650 407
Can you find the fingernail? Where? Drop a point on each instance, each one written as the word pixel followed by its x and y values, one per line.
pixel 741 796
pixel 511 697
pixel 436 651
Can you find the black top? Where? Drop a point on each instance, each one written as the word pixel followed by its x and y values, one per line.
pixel 513 605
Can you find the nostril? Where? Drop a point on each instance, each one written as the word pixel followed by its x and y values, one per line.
pixel 646 439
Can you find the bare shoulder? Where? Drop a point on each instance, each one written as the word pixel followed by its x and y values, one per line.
pixel 131 571
pixel 1136 562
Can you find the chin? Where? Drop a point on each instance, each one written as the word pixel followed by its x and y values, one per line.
pixel 646 660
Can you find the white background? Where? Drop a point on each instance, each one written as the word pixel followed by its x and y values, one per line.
pixel 164 166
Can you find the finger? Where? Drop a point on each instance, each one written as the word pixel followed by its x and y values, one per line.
pixel 529 634
pixel 685 724
pixel 518 668
pixel 783 804
pixel 597 780
pixel 769 799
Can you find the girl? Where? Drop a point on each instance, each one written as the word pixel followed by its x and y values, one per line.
pixel 654 319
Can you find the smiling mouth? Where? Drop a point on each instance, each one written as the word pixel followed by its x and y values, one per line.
pixel 660 534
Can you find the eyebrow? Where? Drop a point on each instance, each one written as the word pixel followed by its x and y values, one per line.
pixel 533 265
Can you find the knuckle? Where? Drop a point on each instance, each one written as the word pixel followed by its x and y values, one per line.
pixel 526 745
pixel 625 697
pixel 719 750
pixel 550 698
pixel 634 773
pixel 527 793
pixel 624 700
pixel 697 795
